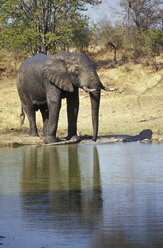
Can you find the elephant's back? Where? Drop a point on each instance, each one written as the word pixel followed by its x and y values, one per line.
pixel 31 70
pixel 31 77
pixel 34 63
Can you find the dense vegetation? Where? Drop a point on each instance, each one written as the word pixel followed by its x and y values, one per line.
pixel 42 25
pixel 33 26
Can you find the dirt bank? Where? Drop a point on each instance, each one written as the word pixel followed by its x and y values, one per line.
pixel 137 105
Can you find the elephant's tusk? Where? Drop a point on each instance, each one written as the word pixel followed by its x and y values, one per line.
pixel 88 90
pixel 108 89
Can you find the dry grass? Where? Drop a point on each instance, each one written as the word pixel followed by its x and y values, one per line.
pixel 137 105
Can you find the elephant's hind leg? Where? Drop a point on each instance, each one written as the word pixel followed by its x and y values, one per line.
pixel 31 114
pixel 29 109
pixel 45 117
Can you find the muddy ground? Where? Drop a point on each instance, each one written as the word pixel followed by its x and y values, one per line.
pixel 136 106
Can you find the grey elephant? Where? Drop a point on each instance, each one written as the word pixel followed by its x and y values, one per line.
pixel 43 81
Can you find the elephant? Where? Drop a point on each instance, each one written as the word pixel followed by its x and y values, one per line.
pixel 43 80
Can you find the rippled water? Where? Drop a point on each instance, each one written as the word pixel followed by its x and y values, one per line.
pixel 85 196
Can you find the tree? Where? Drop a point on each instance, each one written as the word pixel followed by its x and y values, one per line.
pixel 143 14
pixel 142 25
pixel 41 25
pixel 110 36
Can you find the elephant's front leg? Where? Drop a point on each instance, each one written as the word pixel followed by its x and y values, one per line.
pixel 54 105
pixel 72 113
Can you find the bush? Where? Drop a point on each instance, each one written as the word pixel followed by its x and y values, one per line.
pixel 150 41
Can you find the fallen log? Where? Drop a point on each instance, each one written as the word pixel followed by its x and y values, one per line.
pixel 64 142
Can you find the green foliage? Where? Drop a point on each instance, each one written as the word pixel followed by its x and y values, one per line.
pixel 42 25
pixel 156 37
pixel 150 40
pixel 142 25
pixel 15 38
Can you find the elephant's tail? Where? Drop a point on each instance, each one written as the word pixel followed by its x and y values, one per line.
pixel 22 116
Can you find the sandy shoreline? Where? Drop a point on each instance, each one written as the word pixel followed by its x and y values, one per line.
pixel 121 120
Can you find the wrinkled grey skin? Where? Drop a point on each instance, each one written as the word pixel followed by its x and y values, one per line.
pixel 44 80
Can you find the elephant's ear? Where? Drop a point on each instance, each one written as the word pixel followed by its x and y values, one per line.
pixel 55 70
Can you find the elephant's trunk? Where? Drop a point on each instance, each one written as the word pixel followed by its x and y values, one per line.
pixel 95 103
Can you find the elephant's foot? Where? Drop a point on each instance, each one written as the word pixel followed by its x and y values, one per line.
pixel 50 139
pixel 34 134
pixel 73 138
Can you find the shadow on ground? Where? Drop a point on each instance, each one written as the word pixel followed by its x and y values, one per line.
pixel 143 135
pixel 18 140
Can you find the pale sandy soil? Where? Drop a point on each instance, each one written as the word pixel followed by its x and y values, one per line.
pixel 137 105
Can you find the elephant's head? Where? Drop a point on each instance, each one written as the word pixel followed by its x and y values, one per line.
pixel 68 70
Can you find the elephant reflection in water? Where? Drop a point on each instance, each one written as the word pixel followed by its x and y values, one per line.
pixel 55 188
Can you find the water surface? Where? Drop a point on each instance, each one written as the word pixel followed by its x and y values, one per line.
pixel 85 196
